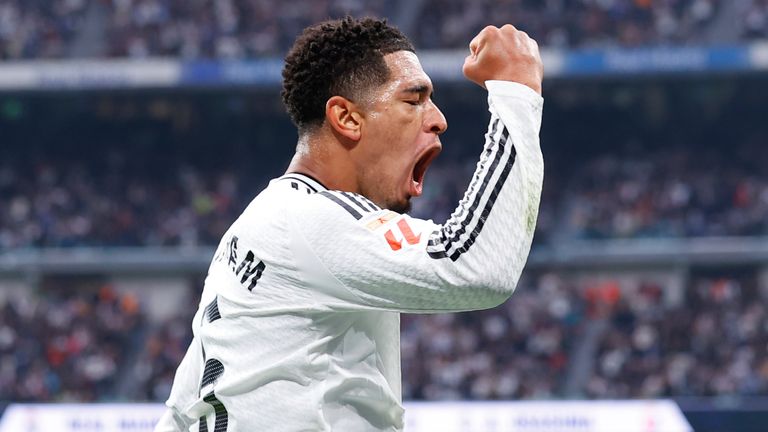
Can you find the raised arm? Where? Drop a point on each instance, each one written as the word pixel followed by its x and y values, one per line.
pixel 375 258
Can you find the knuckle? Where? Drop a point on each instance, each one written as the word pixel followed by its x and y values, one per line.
pixel 490 31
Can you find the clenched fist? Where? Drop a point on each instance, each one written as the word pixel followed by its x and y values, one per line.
pixel 506 54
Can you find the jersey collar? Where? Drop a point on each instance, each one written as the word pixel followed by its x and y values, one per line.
pixel 309 181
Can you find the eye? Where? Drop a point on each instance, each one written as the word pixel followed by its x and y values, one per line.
pixel 413 102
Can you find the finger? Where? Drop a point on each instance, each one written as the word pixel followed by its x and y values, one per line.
pixel 474 46
pixel 508 27
pixel 478 42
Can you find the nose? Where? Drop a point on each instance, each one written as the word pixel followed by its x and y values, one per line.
pixel 435 120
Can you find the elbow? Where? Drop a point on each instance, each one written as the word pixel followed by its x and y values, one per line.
pixel 498 298
pixel 496 292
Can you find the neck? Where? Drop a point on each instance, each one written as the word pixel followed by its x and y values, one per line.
pixel 325 159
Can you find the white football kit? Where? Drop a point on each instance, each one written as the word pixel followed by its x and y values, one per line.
pixel 298 327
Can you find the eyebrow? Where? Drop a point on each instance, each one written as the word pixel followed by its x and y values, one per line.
pixel 419 88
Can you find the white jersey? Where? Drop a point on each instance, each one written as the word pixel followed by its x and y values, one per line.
pixel 298 326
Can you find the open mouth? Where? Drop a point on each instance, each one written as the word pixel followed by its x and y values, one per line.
pixel 420 169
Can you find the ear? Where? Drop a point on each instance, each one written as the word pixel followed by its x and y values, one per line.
pixel 344 117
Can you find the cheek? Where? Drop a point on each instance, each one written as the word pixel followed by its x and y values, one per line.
pixel 405 132
pixel 395 136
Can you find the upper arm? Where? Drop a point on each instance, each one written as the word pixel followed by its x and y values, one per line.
pixel 381 259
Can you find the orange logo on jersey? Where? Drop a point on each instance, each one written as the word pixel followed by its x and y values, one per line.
pixel 408 236
pixel 381 220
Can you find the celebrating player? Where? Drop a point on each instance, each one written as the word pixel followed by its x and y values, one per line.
pixel 298 325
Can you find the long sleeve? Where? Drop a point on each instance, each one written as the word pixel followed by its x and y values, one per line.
pixel 374 258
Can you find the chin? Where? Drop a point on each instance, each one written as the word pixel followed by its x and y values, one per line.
pixel 401 207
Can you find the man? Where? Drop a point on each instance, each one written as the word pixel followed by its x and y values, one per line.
pixel 298 326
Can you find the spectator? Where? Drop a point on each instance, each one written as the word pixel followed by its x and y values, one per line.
pixel 35 29
pixel 65 345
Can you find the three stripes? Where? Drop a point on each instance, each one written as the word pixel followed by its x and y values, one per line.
pixel 452 240
pixel 460 232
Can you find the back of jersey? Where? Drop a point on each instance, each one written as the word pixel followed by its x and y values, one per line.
pixel 267 355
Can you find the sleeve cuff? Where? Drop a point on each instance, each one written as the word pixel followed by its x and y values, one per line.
pixel 509 88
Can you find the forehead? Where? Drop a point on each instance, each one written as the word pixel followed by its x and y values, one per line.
pixel 405 70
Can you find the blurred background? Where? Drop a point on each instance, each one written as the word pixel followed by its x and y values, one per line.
pixel 134 132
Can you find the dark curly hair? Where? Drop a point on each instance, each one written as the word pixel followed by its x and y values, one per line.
pixel 341 57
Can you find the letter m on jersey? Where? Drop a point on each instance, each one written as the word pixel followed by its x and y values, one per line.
pixel 250 271
pixel 395 240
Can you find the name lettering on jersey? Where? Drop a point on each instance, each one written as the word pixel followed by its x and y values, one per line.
pixel 249 269
pixel 232 251
pixel 405 230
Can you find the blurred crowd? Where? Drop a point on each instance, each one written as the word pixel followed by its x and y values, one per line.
pixel 250 28
pixel 519 350
pixel 77 179
pixel 87 342
pixel 220 29
pixel 569 23
pixel 660 194
pixel 163 346
pixel 61 204
pixel 712 344
pixel 69 343
pixel 755 20
pixel 665 194
pixel 39 28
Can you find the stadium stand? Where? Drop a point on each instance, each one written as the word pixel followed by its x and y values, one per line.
pixel 706 343
pixel 109 199
pixel 712 344
pixel 569 23
pixel 517 351
pixel 755 20
pixel 68 342
pixel 661 194
pixel 246 29
pixel 56 203
pixel 164 343
pixel 39 29
pixel 53 203
pixel 222 29
pixel 176 167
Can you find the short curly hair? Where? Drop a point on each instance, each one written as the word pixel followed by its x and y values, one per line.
pixel 342 57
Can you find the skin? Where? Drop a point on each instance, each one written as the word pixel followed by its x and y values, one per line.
pixel 505 54
pixel 381 146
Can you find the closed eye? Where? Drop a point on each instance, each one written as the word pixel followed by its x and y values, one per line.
pixel 422 93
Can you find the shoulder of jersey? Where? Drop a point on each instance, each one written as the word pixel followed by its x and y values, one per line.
pixel 356 205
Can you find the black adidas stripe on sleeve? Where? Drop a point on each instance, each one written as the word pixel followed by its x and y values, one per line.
pixel 445 243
